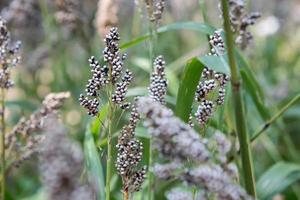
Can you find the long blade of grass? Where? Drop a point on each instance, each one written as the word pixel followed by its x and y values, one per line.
pixel 276 179
pixel 204 28
pixel 187 88
pixel 93 163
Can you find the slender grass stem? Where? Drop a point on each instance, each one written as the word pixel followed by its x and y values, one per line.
pixel 247 164
pixel 109 138
pixel 2 101
pixel 152 43
pixel 125 195
pixel 275 117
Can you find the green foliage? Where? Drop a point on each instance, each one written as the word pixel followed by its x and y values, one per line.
pixel 276 179
pixel 187 89
pixel 93 162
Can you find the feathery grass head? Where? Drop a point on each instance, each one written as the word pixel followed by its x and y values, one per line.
pixel 179 144
pixel 61 164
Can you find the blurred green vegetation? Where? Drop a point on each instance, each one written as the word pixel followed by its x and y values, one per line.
pixel 274 61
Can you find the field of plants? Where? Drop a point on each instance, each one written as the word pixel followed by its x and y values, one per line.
pixel 149 100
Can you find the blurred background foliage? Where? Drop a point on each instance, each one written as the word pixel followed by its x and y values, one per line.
pixel 55 59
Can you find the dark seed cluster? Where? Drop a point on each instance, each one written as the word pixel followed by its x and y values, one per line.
pixel 91 105
pixel 204 111
pixel 217 44
pixel 155 10
pixel 121 89
pixel 9 55
pixel 137 179
pixel 158 85
pixel 110 73
pixel 210 82
pixel 111 54
pixel 129 156
pixel 99 77
pixel 240 21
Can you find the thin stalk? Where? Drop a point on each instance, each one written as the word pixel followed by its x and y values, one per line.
pixel 275 117
pixel 153 38
pixel 125 195
pixel 2 99
pixel 241 130
pixel 109 138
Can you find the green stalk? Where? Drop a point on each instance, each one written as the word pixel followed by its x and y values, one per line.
pixel 247 165
pixel 2 99
pixel 275 117
pixel 153 38
pixel 109 138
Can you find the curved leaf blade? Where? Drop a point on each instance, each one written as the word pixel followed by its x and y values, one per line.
pixel 187 88
pixel 276 179
pixel 204 28
pixel 93 163
pixel 216 63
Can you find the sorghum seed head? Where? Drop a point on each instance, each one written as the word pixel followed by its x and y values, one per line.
pixel 158 85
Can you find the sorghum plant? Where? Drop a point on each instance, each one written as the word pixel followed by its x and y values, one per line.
pixel 9 59
pixel 61 163
pixel 129 156
pixel 240 21
pixel 209 82
pixel 178 144
pixel 155 10
pixel 23 140
pixel 115 79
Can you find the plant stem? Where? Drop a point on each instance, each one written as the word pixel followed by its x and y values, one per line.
pixel 109 138
pixel 241 130
pixel 125 195
pixel 2 99
pixel 153 39
pixel 275 117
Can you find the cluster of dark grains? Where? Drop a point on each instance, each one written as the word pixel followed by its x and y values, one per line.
pixel 204 111
pixel 110 73
pixel 159 83
pixel 99 77
pixel 129 156
pixel 217 44
pixel 9 55
pixel 91 105
pixel 240 21
pixel 155 10
pixel 121 88
pixel 61 161
pixel 210 82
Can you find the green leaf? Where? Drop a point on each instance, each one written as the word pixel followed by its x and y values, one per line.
pixel 252 90
pixel 276 179
pixel 252 86
pixel 93 163
pixel 96 123
pixel 187 88
pixel 217 63
pixel 204 28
